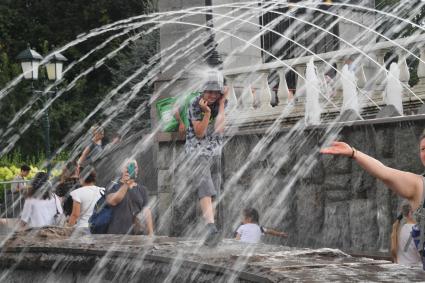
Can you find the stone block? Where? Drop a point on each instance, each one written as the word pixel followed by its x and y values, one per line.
pixel 336 196
pixel 363 225
pixel 407 160
pixel 337 165
pixel 336 227
pixel 165 180
pixel 163 214
pixel 165 156
pixel 361 183
pixel 383 216
pixel 337 182
pixel 385 142
pixel 309 215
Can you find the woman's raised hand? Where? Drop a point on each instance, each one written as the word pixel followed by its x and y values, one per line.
pixel 338 148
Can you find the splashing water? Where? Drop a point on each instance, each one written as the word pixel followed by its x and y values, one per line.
pixel 393 92
pixel 312 107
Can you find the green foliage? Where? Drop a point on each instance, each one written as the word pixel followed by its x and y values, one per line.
pixel 47 23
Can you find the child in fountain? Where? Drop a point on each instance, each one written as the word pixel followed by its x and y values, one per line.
pixel 250 231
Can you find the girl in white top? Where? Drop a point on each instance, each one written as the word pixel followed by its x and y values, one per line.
pixel 84 200
pixel 403 248
pixel 41 205
pixel 250 231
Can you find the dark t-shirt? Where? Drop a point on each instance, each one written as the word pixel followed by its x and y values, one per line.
pixel 124 212
pixel 64 189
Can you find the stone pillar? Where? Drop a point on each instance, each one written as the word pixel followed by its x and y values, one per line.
pixel 247 98
pixel 381 74
pixel 282 91
pixel 419 88
pixel 300 87
pixel 233 100
pixel 265 93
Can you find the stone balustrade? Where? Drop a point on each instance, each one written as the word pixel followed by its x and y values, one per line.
pixel 252 95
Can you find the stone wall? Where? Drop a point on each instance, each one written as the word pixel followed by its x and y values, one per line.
pixel 321 201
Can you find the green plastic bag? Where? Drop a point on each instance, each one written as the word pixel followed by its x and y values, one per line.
pixel 184 111
pixel 165 108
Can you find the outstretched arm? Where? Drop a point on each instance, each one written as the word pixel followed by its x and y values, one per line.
pixel 276 233
pixel 405 184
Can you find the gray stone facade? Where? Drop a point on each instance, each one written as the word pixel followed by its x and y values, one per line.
pixel 321 201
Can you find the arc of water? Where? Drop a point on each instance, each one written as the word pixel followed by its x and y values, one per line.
pixel 393 91
pixel 143 83
pixel 99 31
pixel 382 68
pixel 97 64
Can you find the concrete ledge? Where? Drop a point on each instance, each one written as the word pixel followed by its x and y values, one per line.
pixel 137 258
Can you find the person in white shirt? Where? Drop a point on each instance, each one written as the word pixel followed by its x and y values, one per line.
pixel 84 200
pixel 403 250
pixel 41 205
pixel 250 232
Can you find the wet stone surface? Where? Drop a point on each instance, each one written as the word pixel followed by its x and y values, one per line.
pixel 137 258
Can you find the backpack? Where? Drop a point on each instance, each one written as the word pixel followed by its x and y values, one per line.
pixel 101 217
pixel 418 230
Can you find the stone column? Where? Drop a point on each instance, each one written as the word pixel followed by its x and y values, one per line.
pixel 233 100
pixel 282 91
pixel 265 93
pixel 419 88
pixel 381 74
pixel 300 87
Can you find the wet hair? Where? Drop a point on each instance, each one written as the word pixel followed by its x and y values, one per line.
pixel 40 186
pixel 422 136
pixel 95 129
pixel 251 213
pixel 25 168
pixel 88 175
pixel 405 208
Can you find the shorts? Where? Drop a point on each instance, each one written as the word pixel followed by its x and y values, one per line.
pixel 206 176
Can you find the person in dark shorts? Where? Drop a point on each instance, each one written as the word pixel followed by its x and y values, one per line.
pixel 204 139
pixel 129 202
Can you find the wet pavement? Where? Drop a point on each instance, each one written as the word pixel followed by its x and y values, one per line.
pixel 231 260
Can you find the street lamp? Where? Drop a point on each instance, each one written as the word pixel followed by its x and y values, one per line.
pixel 30 61
pixel 213 58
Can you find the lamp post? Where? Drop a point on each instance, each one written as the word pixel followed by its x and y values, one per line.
pixel 213 57
pixel 30 62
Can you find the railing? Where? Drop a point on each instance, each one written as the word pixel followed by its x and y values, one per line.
pixel 13 199
pixel 250 91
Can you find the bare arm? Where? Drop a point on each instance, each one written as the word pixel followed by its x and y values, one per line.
pixel 75 214
pixel 238 236
pixel 83 156
pixel 114 199
pixel 182 126
pixel 405 184
pixel 276 233
pixel 148 218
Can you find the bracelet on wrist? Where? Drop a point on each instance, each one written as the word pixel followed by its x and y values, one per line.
pixel 353 154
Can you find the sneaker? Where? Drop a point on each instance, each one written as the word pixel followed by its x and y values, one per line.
pixel 213 236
